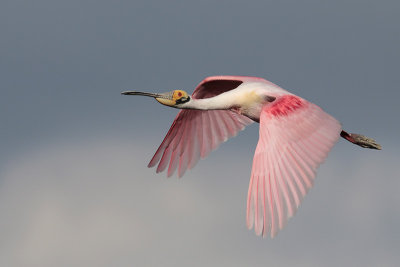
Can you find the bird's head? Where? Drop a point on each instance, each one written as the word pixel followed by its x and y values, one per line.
pixel 176 98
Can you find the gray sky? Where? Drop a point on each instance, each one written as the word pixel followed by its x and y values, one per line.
pixel 74 187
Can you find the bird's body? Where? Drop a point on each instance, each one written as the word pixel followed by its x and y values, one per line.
pixel 247 99
pixel 295 138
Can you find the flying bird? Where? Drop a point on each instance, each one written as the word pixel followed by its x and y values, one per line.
pixel 295 137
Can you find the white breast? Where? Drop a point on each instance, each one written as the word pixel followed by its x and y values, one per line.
pixel 249 98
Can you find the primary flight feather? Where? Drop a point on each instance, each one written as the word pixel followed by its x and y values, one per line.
pixel 294 139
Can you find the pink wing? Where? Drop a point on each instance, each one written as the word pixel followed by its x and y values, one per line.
pixel 295 138
pixel 195 133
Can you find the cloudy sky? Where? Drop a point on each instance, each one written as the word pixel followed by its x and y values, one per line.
pixel 74 186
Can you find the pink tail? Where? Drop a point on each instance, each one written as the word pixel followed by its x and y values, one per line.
pixel 361 140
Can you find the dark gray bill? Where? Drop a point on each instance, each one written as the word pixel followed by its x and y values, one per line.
pixel 141 93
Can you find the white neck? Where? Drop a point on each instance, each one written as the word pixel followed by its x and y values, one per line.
pixel 216 102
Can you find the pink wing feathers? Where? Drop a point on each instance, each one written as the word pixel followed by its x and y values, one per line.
pixel 295 138
pixel 195 133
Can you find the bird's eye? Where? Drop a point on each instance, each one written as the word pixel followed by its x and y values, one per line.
pixel 180 97
pixel 179 94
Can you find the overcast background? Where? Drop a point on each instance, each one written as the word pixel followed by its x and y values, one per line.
pixel 74 186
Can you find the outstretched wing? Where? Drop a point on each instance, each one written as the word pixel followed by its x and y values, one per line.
pixel 195 133
pixel 295 138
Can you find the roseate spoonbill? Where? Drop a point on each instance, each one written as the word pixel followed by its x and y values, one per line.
pixel 295 138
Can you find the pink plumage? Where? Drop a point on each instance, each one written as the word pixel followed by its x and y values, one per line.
pixel 195 133
pixel 294 139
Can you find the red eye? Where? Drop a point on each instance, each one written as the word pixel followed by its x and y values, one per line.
pixel 179 94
